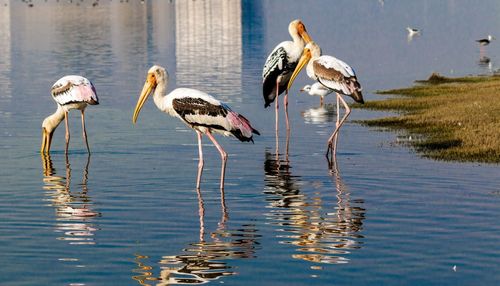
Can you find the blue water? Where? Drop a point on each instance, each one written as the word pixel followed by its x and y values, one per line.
pixel 130 214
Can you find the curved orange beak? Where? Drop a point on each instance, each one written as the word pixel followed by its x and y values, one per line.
pixel 148 87
pixel 304 59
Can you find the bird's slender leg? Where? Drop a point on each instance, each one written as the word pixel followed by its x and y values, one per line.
pixel 285 103
pixel 330 147
pixel 337 124
pixel 200 161
pixel 223 155
pixel 321 101
pixel 347 112
pixel 67 130
pixel 85 131
pixel 276 105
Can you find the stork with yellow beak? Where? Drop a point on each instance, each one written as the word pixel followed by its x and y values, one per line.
pixel 69 92
pixel 335 75
pixel 198 110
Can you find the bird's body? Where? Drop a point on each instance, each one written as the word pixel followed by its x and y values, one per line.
pixel 69 92
pixel 412 31
pixel 333 74
pixel 317 89
pixel 202 112
pixel 199 110
pixel 280 65
pixel 486 41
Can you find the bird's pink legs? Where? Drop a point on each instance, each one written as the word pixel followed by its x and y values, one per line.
pixel 223 155
pixel 85 131
pixel 200 161
pixel 67 130
pixel 285 103
pixel 333 137
pixel 276 107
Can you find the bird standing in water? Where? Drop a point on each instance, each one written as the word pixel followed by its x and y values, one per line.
pixel 334 74
pixel 317 89
pixel 69 92
pixel 199 110
pixel 280 65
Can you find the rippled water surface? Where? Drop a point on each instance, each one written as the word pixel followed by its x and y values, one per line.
pixel 130 214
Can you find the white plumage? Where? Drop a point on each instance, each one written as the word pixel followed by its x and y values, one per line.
pixel 333 74
pixel 69 92
pixel 317 89
pixel 280 64
pixel 199 110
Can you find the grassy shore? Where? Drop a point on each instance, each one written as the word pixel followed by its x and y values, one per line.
pixel 458 118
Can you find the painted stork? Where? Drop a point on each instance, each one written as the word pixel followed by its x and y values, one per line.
pixel 280 65
pixel 317 89
pixel 70 92
pixel 199 110
pixel 334 74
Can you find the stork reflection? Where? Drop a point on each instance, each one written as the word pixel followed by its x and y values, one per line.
pixel 324 227
pixel 204 260
pixel 74 210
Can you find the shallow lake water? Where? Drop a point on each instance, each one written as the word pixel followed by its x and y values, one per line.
pixel 130 213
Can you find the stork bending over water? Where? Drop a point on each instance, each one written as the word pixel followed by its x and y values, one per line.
pixel 279 67
pixel 334 74
pixel 200 111
pixel 70 92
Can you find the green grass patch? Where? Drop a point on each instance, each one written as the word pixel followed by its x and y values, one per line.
pixel 459 118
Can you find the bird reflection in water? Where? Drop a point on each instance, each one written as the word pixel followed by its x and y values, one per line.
pixel 202 261
pixel 74 210
pixel 485 63
pixel 324 229
pixel 319 115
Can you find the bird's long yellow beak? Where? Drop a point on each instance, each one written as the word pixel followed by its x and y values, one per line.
pixel 306 56
pixel 148 87
pixel 306 37
pixel 46 140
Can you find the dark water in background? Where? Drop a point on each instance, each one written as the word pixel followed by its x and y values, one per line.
pixel 130 214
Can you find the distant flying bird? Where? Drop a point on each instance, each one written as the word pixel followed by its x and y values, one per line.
pixel 280 65
pixel 70 92
pixel 334 74
pixel 486 41
pixel 199 110
pixel 317 89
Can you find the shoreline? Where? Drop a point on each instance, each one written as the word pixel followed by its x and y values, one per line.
pixel 456 119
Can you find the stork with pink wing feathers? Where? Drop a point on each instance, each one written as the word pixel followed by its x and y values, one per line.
pixel 198 110
pixel 69 92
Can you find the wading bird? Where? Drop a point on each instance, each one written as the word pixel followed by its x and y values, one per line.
pixel 199 110
pixel 317 89
pixel 280 65
pixel 70 92
pixel 334 74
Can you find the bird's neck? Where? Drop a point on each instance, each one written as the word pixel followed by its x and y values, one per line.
pixel 159 95
pixel 297 40
pixel 52 121
pixel 310 69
